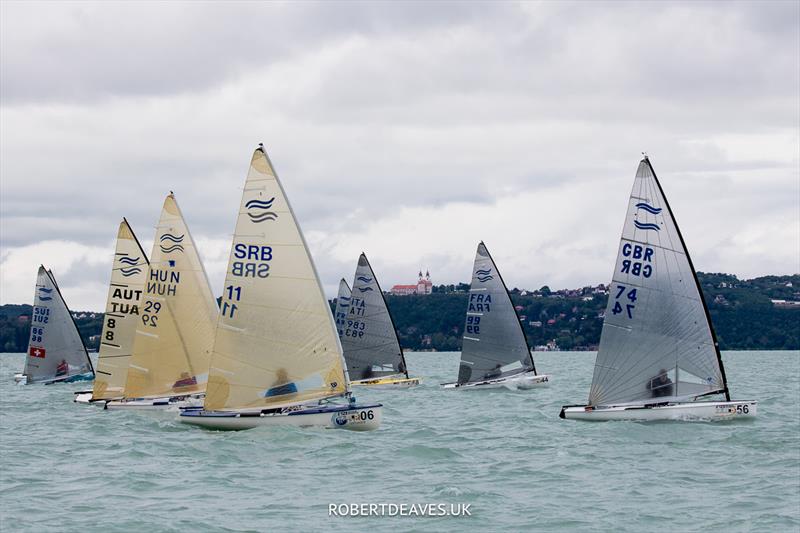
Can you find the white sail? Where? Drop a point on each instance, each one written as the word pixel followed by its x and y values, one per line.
pixel 494 344
pixel 178 314
pixel 128 275
pixel 55 348
pixel 276 342
pixel 342 307
pixel 657 340
pixel 369 340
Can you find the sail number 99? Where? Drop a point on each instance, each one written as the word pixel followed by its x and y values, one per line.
pixel 629 307
pixel 473 325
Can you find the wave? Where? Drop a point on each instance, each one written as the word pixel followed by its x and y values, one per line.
pixel 171 237
pixel 649 208
pixel 484 279
pixel 484 272
pixel 643 225
pixel 364 279
pixel 261 217
pixel 127 272
pixel 260 204
pixel 129 260
pixel 343 298
pixel 365 289
pixel 172 248
pixel 45 290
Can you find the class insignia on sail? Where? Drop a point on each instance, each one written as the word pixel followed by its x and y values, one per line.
pixel 276 357
pixel 369 338
pixel 56 352
pixel 495 351
pixel 658 352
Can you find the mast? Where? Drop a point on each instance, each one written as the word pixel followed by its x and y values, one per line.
pixel 696 281
pixel 58 290
pixel 519 323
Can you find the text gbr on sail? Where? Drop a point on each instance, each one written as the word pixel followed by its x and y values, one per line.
pixel 639 255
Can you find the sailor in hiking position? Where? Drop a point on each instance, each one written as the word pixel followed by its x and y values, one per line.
pixel 661 385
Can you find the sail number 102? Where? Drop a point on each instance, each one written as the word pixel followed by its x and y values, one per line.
pixel 233 292
pixel 629 307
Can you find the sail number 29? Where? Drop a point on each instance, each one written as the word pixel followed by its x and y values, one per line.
pixel 629 307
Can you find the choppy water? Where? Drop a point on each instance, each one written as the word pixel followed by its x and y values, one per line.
pixel 70 467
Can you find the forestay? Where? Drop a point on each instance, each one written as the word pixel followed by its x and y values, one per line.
pixel 128 274
pixel 657 342
pixel 55 348
pixel 494 344
pixel 276 342
pixel 178 312
pixel 370 343
pixel 342 307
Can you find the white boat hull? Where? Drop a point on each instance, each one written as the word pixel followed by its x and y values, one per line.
pixel 150 404
pixel 353 418
pixel 525 381
pixel 669 411
pixel 387 383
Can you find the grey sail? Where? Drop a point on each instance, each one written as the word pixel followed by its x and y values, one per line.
pixel 342 307
pixel 657 342
pixel 55 348
pixel 369 340
pixel 494 344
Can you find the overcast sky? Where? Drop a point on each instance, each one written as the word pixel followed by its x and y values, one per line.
pixel 407 130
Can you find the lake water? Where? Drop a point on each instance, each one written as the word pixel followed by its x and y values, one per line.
pixel 70 467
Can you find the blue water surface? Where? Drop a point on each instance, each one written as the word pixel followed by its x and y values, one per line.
pixel 69 467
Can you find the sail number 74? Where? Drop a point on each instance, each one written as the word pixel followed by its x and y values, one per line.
pixel 629 307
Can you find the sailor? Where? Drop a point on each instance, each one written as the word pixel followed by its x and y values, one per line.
pixel 62 368
pixel 661 385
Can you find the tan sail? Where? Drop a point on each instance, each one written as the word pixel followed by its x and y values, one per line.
pixel 128 274
pixel 276 342
pixel 178 315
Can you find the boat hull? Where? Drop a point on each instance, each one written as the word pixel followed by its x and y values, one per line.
pixel 525 381
pixel 23 379
pixel 353 418
pixel 668 411
pixel 156 404
pixel 387 383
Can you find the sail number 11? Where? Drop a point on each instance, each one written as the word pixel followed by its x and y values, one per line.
pixel 629 307
pixel 233 293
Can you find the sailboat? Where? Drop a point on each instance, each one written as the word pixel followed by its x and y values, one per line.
pixel 128 276
pixel 342 307
pixel 658 352
pixel 177 316
pixel 56 352
pixel 277 358
pixel 494 350
pixel 369 339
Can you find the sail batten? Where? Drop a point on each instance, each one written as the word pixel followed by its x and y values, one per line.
pixel 128 274
pixel 369 338
pixel 175 332
pixel 494 344
pixel 657 339
pixel 275 342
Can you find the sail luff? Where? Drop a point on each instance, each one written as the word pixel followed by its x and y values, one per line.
pixel 391 318
pixel 696 280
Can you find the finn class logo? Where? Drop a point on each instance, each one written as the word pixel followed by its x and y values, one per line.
pixel 44 294
pixel 365 289
pixel 258 210
pixel 171 243
pixel 650 209
pixel 131 267
pixel 484 275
